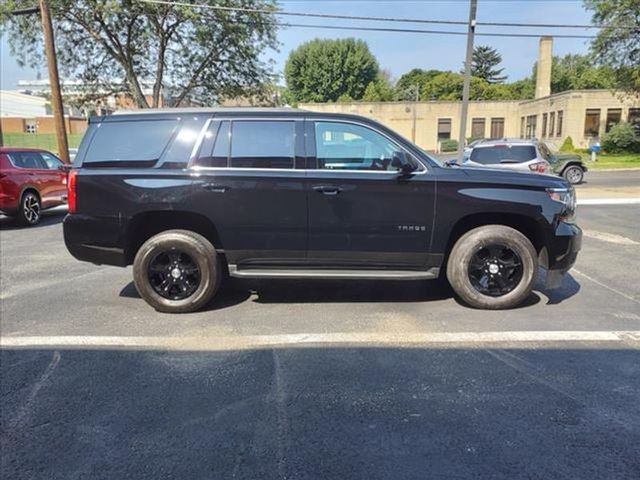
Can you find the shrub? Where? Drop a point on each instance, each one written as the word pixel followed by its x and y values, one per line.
pixel 448 145
pixel 621 138
pixel 567 145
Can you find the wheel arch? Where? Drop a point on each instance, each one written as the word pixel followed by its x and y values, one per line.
pixel 574 163
pixel 144 225
pixel 526 225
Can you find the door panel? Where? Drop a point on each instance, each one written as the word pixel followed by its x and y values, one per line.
pixel 259 209
pixel 362 213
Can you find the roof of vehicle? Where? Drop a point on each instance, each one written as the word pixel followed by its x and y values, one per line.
pixel 506 141
pixel 183 111
pixel 21 149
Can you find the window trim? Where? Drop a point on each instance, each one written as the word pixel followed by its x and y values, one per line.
pixel 309 121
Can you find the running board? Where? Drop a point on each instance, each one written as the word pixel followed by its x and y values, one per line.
pixel 334 274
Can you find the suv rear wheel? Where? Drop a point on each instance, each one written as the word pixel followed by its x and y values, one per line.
pixel 492 267
pixel 177 271
pixel 30 209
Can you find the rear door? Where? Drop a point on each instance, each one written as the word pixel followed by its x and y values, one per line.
pixel 56 178
pixel 362 212
pixel 249 180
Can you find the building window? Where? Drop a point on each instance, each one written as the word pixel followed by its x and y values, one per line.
pixel 477 128
pixel 532 121
pixel 634 119
pixel 552 123
pixel 592 122
pixel 614 115
pixel 559 132
pixel 544 125
pixel 521 127
pixel 497 127
pixel 31 126
pixel 444 129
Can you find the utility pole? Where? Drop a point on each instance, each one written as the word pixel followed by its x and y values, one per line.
pixel 473 7
pixel 54 81
pixel 415 107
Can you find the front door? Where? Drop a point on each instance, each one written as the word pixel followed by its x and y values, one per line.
pixel 362 212
pixel 249 181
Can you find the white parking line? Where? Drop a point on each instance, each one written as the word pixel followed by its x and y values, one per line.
pixel 609 237
pixel 609 201
pixel 597 282
pixel 293 340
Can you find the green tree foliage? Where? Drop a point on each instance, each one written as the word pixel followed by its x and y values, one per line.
pixel 405 88
pixel 567 145
pixel 618 44
pixel 484 64
pixel 324 70
pixel 128 45
pixel 621 138
pixel 577 72
pixel 380 90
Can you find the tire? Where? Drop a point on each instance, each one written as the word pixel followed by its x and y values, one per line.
pixel 30 210
pixel 195 254
pixel 573 174
pixel 477 243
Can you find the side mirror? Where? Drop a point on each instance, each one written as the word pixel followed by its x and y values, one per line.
pixel 401 161
pixel 65 168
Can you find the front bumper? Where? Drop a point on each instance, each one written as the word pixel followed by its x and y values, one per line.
pixel 561 252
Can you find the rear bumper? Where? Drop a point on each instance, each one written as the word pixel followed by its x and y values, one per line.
pixel 94 239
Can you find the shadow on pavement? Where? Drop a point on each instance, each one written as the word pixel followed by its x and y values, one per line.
pixel 321 413
pixel 49 217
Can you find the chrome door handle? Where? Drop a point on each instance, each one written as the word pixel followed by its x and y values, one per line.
pixel 215 188
pixel 328 189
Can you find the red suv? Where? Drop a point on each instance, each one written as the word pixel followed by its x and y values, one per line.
pixel 30 181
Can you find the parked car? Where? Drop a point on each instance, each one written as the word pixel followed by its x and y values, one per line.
pixel 525 155
pixel 185 195
pixel 32 180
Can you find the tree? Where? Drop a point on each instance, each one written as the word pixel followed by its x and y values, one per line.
pixel 325 70
pixel 577 72
pixel 406 85
pixel 617 45
pixel 380 90
pixel 448 86
pixel 127 45
pixel 484 62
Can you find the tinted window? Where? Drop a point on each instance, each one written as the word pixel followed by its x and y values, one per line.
pixel 503 154
pixel 53 163
pixel 130 141
pixel 344 146
pixel 215 146
pixel 28 160
pixel 262 144
pixel 179 152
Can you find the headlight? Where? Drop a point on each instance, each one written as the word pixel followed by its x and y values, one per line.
pixel 567 197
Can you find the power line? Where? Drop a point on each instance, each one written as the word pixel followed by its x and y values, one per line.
pixel 369 18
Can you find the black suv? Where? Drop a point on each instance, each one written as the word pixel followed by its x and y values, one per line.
pixel 188 196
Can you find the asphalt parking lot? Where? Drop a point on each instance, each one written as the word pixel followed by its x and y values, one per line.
pixel 316 379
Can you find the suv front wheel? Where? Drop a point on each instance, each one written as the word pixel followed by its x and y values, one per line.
pixel 177 271
pixel 492 267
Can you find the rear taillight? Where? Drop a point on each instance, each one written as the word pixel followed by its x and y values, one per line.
pixel 72 191
pixel 539 167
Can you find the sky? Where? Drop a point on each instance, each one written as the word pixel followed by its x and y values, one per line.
pixel 400 52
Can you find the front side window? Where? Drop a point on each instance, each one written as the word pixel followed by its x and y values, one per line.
pixel 344 146
pixel 503 154
pixel 130 141
pixel 53 163
pixel 262 144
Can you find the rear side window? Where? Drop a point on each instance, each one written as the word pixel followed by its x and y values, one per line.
pixel 215 146
pixel 130 142
pixel 503 154
pixel 179 152
pixel 262 144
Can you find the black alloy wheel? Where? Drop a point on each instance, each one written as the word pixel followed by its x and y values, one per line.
pixel 173 274
pixel 30 209
pixel 495 270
